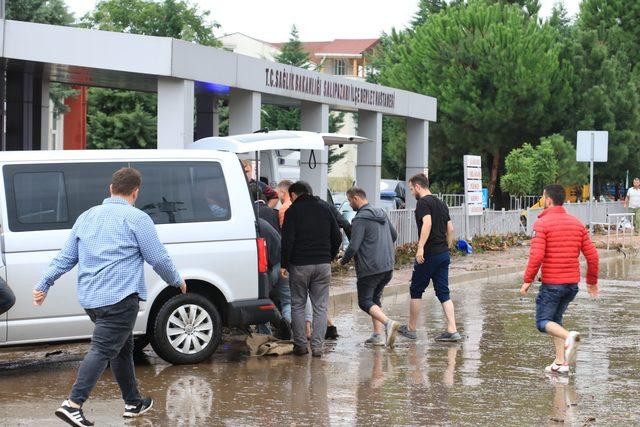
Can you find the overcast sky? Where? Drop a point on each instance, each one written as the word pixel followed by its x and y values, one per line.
pixel 316 20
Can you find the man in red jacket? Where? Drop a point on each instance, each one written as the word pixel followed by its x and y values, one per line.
pixel 558 240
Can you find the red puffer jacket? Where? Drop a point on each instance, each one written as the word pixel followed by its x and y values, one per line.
pixel 556 245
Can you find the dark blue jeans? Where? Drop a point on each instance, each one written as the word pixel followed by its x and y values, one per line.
pixel 112 341
pixel 7 299
pixel 552 302
pixel 435 267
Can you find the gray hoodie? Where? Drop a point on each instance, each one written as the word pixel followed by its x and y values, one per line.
pixel 372 237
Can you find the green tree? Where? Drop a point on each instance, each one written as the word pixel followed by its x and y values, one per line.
pixel 496 73
pixel 552 161
pixel 603 50
pixel 293 52
pixel 426 8
pixel 560 19
pixel 127 119
pixel 54 12
pixel 394 148
pixel 617 23
pixel 606 97
pixel 519 178
pixel 121 119
pixel 570 172
pixel 168 18
pixel 288 118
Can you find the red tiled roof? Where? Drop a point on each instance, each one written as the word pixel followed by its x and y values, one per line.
pixel 347 47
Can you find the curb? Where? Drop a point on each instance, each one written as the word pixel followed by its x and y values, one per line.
pixel 349 297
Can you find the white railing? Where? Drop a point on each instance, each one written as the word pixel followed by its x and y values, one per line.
pixel 581 211
pixel 491 222
pixel 451 200
pixel 405 223
pixel 522 202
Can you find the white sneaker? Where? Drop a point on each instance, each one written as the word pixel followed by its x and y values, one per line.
pixel 557 369
pixel 391 329
pixel 375 340
pixel 571 347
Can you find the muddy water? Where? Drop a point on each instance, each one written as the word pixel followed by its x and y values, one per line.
pixel 494 378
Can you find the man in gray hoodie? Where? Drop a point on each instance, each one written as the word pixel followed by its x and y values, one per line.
pixel 372 237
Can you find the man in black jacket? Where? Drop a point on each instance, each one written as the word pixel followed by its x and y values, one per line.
pixel 332 330
pixel 311 239
pixel 264 211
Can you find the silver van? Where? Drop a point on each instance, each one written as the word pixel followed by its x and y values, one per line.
pixel 224 263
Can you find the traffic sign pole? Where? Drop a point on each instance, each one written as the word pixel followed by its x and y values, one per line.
pixel 591 186
pixel 592 146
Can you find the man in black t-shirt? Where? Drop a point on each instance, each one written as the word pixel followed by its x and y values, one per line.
pixel 432 258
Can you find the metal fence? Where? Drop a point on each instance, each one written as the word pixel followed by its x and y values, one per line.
pixel 581 211
pixel 522 202
pixel 501 222
pixel 490 223
pixel 451 200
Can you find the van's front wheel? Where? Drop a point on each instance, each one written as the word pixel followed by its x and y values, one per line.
pixel 187 329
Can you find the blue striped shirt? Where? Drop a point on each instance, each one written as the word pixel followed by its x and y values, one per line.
pixel 110 244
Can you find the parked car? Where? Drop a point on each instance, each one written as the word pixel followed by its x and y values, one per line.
pixel 389 201
pixel 398 187
pixel 338 199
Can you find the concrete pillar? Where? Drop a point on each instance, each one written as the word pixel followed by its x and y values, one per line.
pixel 244 111
pixel 24 109
pixel 314 117
pixel 175 113
pixel 417 152
pixel 207 119
pixel 369 165
pixel 45 136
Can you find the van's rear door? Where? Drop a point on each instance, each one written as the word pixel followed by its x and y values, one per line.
pixel 3 317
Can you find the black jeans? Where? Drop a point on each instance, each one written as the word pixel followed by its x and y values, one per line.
pixel 370 290
pixel 112 341
pixel 7 299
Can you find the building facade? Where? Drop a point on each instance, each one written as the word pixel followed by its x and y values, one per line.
pixel 339 57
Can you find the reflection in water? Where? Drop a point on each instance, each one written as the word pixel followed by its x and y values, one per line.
pixel 448 374
pixel 473 321
pixel 565 399
pixel 189 401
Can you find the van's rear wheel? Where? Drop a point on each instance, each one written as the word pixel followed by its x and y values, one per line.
pixel 187 329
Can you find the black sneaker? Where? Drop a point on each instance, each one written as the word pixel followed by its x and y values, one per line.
pixel 332 333
pixel 131 411
pixel 72 416
pixel 316 353
pixel 300 351
pixel 283 331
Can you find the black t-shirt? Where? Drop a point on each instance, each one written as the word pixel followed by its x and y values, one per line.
pixel 437 241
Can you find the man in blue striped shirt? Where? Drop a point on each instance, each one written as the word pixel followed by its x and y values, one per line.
pixel 110 244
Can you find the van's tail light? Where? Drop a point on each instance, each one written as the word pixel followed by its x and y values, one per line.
pixel 263 262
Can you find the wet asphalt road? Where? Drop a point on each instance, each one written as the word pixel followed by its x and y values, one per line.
pixel 495 377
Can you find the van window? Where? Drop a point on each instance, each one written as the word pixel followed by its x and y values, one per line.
pixel 178 192
pixel 52 196
pixel 40 198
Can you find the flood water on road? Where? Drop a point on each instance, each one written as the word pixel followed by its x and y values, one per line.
pixel 495 377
